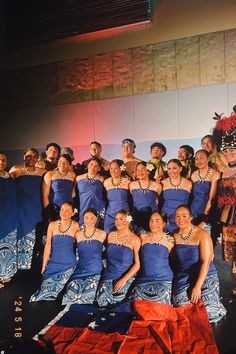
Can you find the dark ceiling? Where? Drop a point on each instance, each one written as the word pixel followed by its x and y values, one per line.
pixel 30 22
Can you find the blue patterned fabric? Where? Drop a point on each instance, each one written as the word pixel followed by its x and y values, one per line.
pixel 106 296
pixel 59 268
pixel 83 283
pixel 118 200
pixel 156 291
pixel 62 191
pixel 172 199
pixel 91 196
pixel 201 192
pixel 8 228
pixel 28 197
pixel 144 203
pixel 185 278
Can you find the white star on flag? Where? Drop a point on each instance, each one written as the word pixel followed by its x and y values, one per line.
pixel 93 325
pixel 112 314
pixel 103 319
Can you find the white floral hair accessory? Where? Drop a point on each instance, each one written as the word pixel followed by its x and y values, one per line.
pixel 122 168
pixel 75 211
pixel 129 218
pixel 150 167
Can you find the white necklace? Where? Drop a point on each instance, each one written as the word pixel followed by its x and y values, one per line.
pixel 144 190
pixel 90 180
pixel 152 241
pixel 121 242
pixel 61 175
pixel 30 173
pixel 186 238
pixel 4 174
pixel 90 237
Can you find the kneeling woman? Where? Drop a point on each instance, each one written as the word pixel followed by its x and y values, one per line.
pixel 196 276
pixel 58 258
pixel 122 261
pixel 83 283
pixel 155 280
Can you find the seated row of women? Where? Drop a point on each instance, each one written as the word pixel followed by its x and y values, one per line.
pixel 137 268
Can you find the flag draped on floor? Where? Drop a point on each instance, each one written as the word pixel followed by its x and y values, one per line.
pixel 139 327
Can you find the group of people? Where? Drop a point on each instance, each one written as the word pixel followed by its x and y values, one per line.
pixel 131 215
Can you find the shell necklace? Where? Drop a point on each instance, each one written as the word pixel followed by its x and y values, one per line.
pixel 118 184
pixel 66 230
pixel 30 173
pixel 152 241
pixel 144 190
pixel 203 178
pixel 121 242
pixel 4 174
pixel 90 180
pixel 61 175
pixel 88 238
pixel 186 238
pixel 175 186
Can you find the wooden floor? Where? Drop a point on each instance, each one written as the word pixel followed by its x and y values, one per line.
pixel 17 315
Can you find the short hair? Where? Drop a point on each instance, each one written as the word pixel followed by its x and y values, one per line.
pixel 160 146
pixel 189 149
pixel 96 143
pixel 33 149
pixel 68 151
pixel 55 145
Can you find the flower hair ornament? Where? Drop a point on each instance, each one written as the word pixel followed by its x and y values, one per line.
pixel 224 132
pixel 122 168
pixel 150 167
pixel 75 211
pixel 129 218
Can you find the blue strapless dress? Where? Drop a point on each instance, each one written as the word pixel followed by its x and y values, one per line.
pixel 83 283
pixel 154 281
pixel 8 228
pixel 91 196
pixel 144 203
pixel 118 200
pixel 201 192
pixel 185 277
pixel 119 261
pixel 59 268
pixel 29 204
pixel 62 191
pixel 172 199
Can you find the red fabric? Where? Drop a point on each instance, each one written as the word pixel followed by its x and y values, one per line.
pixel 160 329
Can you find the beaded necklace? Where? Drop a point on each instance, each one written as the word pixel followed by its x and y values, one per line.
pixel 121 242
pixel 61 175
pixel 4 174
pixel 186 238
pixel 90 237
pixel 66 230
pixel 203 178
pixel 90 180
pixel 116 185
pixel 30 173
pixel 152 241
pixel 144 190
pixel 175 186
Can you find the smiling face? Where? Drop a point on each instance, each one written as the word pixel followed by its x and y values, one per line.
pixel 63 164
pixel 173 170
pixel 201 160
pixel 121 221
pixel 31 158
pixel 52 153
pixel 183 218
pixel 66 212
pixel 115 170
pixel 142 172
pixel 157 153
pixel 3 162
pixel 90 220
pixel 93 167
pixel 230 155
pixel 182 154
pixel 156 223
pixel 208 145
pixel 127 150
pixel 95 150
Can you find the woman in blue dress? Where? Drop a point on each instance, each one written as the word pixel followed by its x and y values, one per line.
pixel 117 187
pixel 205 181
pixel 145 193
pixel 176 191
pixel 195 274
pixel 154 281
pixel 58 187
pixel 59 260
pixel 28 179
pixel 8 226
pixel 82 286
pixel 91 191
pixel 122 262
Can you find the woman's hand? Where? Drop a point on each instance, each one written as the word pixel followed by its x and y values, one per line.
pixel 119 285
pixel 195 295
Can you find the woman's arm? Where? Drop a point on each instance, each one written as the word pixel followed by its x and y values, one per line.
pixel 213 190
pixel 47 180
pixel 206 255
pixel 47 249
pixel 133 270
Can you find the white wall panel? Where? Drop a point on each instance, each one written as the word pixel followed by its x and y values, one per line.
pixel 197 107
pixel 231 102
pixel 156 116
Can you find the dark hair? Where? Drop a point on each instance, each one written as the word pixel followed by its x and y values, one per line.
pixel 69 203
pixel 203 151
pixel 96 143
pixel 94 158
pixel 162 215
pixel 126 213
pixel 55 145
pixel 33 149
pixel 160 146
pixel 175 161
pixel 3 153
pixel 215 138
pixel 143 163
pixel 67 157
pixel 92 211
pixel 129 142
pixel 184 206
pixel 189 149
